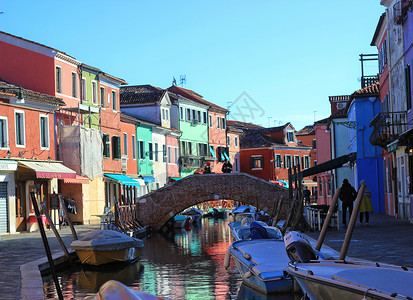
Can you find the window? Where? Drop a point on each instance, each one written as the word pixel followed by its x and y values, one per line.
pixel 20 132
pixel 210 120
pixel 204 120
pixel 287 161
pixel 188 114
pixel 278 161
pixel 236 141
pixel 84 92
pixel 113 100
pixel 408 86
pixel 106 145
pixel 125 144
pixel 102 96
pixel 314 144
pixel 202 149
pixel 189 148
pixel 116 154
pixel 257 162
pixel 4 133
pixel 222 153
pixel 176 156
pixel 181 113
pixel 199 116
pixel 218 121
pixel 74 85
pixel 164 153
pixel 44 132
pixel 183 148
pixel 228 140
pixel 133 147
pixel 306 162
pixel 167 114
pixel 163 114
pixel 193 114
pixel 223 123
pixel 58 79
pixel 290 136
pixel 141 150
pixel 94 92
pixel 150 146
pixel 296 161
pixel 156 151
pixel 169 155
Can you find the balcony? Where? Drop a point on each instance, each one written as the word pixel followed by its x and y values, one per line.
pixel 387 127
pixel 368 80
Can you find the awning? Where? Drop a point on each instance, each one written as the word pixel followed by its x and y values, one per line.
pixel 124 180
pixel 77 180
pixel 49 169
pixel 148 178
pixel 392 147
pixel 176 178
pixel 226 156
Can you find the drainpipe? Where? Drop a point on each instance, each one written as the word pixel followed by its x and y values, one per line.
pixel 167 157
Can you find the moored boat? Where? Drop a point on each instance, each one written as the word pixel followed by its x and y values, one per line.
pixel 243 232
pixel 181 221
pixel 102 247
pixel 243 211
pixel 341 279
pixel 194 213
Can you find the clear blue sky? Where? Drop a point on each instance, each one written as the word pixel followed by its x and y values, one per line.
pixel 288 56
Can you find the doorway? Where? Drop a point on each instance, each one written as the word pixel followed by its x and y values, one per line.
pixel 20 207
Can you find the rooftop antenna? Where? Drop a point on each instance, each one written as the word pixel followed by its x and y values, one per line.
pixel 182 80
pixel 174 81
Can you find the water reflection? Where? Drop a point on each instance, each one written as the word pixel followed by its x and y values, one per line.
pixel 186 264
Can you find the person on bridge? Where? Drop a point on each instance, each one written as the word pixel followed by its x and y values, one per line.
pixel 207 168
pixel 306 195
pixel 226 167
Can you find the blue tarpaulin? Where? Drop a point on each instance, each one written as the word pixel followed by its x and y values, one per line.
pixel 125 180
pixel 148 178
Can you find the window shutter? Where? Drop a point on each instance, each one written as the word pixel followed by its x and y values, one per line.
pixel 251 163
pixel 262 161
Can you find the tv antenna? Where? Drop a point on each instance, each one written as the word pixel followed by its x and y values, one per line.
pixel 174 81
pixel 182 80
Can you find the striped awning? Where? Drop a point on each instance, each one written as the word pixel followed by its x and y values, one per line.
pixel 51 169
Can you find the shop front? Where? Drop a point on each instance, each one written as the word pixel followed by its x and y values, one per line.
pixel 8 207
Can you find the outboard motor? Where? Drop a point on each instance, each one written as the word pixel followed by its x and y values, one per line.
pixel 298 247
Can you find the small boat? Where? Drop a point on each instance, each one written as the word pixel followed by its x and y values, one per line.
pixel 194 213
pixel 341 279
pixel 181 221
pixel 243 211
pixel 102 247
pixel 243 231
pixel 218 213
pixel 113 290
pixel 261 263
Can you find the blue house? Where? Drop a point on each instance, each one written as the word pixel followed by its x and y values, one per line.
pixel 363 106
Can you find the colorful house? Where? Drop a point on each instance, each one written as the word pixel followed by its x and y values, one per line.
pixel 233 142
pixel 268 153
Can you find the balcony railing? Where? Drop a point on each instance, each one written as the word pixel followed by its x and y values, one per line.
pixel 387 127
pixel 368 80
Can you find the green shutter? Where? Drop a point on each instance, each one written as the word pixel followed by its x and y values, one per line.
pixel 118 147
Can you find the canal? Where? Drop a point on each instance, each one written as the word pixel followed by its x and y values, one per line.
pixel 187 264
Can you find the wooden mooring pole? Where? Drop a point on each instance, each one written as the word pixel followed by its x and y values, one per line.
pixel 46 245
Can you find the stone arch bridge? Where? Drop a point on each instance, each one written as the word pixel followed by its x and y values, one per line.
pixel 156 208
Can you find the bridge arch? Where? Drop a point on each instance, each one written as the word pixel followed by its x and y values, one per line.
pixel 156 208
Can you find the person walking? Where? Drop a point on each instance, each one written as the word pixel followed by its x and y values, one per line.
pixel 207 168
pixel 306 195
pixel 347 195
pixel 226 167
pixel 365 206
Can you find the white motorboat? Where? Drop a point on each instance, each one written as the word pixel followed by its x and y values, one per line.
pixel 107 246
pixel 242 212
pixel 341 279
pixel 243 232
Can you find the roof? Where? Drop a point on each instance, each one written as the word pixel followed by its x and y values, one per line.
pixel 378 27
pixel 33 96
pixel 322 121
pixel 371 90
pixel 135 94
pixel 307 130
pixel 341 113
pixel 195 97
pixel 242 125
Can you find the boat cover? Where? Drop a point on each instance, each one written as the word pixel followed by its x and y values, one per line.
pixel 106 240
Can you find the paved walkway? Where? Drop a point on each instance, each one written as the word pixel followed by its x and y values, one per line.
pixel 385 239
pixel 18 250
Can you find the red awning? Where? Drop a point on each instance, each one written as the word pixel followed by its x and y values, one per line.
pixel 49 169
pixel 78 180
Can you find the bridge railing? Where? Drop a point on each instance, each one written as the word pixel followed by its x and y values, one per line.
pixel 126 210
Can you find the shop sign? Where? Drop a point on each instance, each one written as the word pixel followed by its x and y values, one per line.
pixel 8 165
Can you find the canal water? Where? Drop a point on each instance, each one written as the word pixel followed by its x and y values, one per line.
pixel 186 264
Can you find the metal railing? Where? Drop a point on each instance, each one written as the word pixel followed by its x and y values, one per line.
pixel 387 127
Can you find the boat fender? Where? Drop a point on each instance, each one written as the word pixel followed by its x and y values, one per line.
pixel 247 274
pixel 227 260
pixel 247 256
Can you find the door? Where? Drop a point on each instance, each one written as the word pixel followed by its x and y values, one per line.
pixel 4 208
pixel 20 207
pixel 402 186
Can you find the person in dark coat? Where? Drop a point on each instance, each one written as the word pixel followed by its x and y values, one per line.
pixel 347 195
pixel 226 167
pixel 306 195
pixel 207 168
